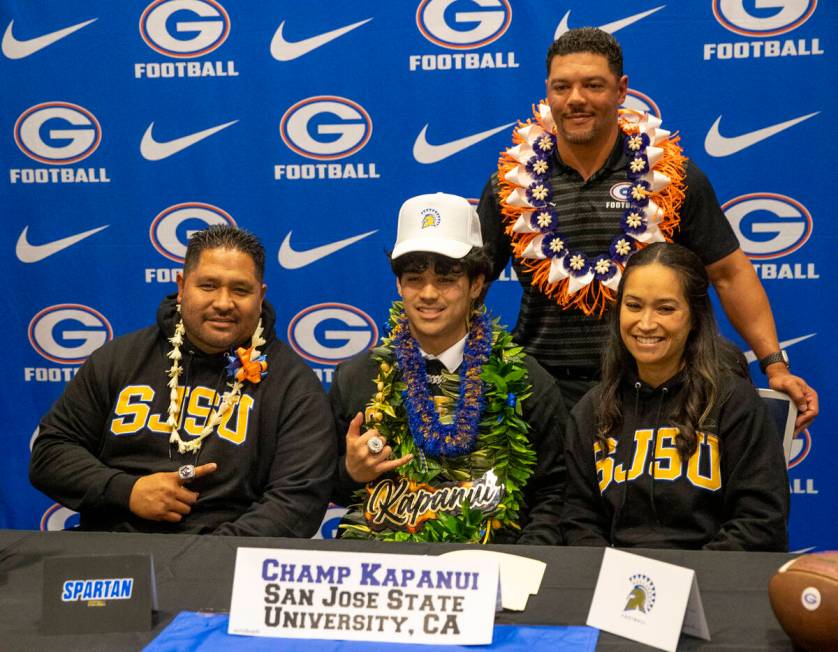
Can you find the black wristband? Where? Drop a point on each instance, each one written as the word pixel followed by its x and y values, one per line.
pixel 779 356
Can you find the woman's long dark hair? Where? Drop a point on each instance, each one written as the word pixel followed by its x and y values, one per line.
pixel 707 356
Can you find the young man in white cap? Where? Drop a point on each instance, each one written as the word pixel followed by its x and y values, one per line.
pixel 452 433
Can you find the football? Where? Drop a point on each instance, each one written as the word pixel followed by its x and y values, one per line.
pixel 804 597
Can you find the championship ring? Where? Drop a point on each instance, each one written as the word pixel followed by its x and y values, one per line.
pixel 375 445
pixel 186 473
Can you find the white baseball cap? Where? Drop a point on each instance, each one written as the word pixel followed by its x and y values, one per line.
pixel 437 223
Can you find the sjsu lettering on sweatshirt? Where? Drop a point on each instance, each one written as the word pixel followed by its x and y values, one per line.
pixel 133 413
pixel 664 463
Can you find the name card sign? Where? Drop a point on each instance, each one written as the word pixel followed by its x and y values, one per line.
pixel 97 594
pixel 363 597
pixel 647 600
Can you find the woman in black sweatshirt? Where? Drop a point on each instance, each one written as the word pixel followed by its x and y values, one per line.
pixel 674 448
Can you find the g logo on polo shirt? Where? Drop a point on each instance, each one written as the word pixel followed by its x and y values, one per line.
pixel 486 21
pixel 184 29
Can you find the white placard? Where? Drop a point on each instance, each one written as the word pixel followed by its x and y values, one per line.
pixel 647 600
pixel 363 597
pixel 520 577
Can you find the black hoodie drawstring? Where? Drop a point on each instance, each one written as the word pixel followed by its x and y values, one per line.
pixel 219 382
pixel 615 519
pixel 190 355
pixel 662 398
pixel 663 395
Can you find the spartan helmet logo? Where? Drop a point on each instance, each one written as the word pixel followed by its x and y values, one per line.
pixel 430 218
pixel 637 600
pixel 642 595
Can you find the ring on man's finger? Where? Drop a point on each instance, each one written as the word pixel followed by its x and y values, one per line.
pixel 375 445
pixel 186 473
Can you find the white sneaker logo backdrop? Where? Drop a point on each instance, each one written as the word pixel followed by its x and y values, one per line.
pixel 15 48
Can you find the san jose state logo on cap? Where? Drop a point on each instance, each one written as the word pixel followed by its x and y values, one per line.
pixel 778 17
pixel 463 25
pixel 430 217
pixel 68 332
pixel 768 225
pixel 184 29
pixel 171 229
pixel 57 133
pixel 325 127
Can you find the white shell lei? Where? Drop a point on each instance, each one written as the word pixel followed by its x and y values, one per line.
pixel 228 399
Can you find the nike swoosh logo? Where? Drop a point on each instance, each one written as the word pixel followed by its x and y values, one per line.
pixel 29 253
pixel 608 27
pixel 751 357
pixel 718 145
pixel 16 49
pixel 424 152
pixel 291 259
pixel 154 150
pixel 283 50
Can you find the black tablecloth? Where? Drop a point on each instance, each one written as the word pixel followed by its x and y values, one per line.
pixel 195 573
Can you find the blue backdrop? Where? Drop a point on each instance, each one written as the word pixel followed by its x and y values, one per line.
pixel 126 125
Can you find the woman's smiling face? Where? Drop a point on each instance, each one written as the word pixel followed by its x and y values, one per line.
pixel 655 321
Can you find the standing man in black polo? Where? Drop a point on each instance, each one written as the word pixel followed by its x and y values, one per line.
pixel 584 185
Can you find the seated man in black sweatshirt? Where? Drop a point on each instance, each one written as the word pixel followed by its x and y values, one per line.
pixel 194 425
pixel 452 433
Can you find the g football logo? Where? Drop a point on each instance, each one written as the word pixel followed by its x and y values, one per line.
pixel 768 225
pixel 329 525
pixel 184 29
pixel 641 102
pixel 68 333
pixel 57 133
pixel 786 16
pixel 328 333
pixel 463 30
pixel 325 127
pixel 58 518
pixel 169 231
pixel 801 446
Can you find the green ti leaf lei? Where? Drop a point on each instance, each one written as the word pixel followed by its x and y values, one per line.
pixel 502 444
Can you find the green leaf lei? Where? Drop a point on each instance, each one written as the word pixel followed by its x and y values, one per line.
pixel 502 444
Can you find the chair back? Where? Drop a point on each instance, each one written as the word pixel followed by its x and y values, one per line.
pixel 783 413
